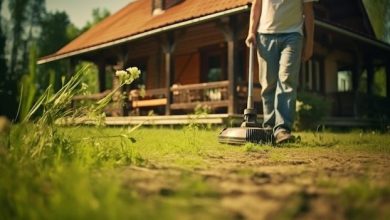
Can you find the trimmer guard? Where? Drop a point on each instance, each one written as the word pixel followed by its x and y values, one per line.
pixel 242 135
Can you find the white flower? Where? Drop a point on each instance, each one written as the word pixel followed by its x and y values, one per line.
pixel 134 72
pixel 120 73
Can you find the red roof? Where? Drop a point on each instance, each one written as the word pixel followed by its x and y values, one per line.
pixel 137 18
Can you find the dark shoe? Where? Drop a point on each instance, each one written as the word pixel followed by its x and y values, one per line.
pixel 284 137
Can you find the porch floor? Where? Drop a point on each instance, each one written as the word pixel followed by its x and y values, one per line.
pixel 216 119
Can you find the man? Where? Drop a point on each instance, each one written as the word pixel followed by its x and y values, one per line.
pixel 276 29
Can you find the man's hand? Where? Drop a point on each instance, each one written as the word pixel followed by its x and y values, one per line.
pixel 250 39
pixel 253 22
pixel 307 52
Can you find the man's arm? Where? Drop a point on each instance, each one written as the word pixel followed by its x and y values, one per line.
pixel 309 31
pixel 253 22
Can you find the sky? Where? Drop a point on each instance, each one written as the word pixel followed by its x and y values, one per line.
pixel 80 11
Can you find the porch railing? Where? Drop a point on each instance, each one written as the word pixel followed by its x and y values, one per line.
pixel 184 97
pixel 213 94
pixel 113 109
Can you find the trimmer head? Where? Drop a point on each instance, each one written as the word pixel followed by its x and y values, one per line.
pixel 242 135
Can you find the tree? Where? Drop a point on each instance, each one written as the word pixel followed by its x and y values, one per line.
pixel 24 26
pixel 18 17
pixel 35 11
pixel 55 27
pixel 29 84
pixel 379 14
pixel 4 96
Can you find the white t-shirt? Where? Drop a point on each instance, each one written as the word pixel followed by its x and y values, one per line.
pixel 281 16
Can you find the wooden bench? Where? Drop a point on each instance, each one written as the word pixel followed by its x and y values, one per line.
pixel 151 98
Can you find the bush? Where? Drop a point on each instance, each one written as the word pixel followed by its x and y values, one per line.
pixel 310 111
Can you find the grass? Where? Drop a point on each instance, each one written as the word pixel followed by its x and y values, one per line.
pixel 83 173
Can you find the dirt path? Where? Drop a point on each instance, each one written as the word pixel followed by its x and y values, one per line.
pixel 287 184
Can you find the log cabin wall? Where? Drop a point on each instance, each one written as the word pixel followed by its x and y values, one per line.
pixel 147 52
pixel 187 68
pixel 187 54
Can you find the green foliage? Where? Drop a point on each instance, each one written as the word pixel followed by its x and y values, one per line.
pixel 18 16
pixel 54 32
pixel 30 24
pixel 54 36
pixel 4 75
pixel 29 85
pixel 379 86
pixel 91 77
pixel 379 15
pixel 310 111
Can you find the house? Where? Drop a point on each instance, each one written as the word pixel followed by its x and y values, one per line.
pixel 192 52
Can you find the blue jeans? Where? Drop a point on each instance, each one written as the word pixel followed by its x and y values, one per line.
pixel 279 57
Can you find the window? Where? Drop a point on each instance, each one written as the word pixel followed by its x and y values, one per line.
pixel 164 4
pixel 311 77
pixel 344 80
pixel 171 3
pixel 213 62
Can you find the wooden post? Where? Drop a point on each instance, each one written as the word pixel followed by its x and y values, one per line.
pixel 122 59
pixel 117 109
pixel 168 47
pixel 72 67
pixel 231 63
pixel 102 75
pixel 356 76
pixel 388 79
pixel 228 26
pixel 370 76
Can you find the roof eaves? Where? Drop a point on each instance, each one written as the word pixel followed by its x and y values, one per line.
pixel 172 26
pixel 363 38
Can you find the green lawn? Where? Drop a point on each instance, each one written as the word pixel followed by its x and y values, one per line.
pixel 184 173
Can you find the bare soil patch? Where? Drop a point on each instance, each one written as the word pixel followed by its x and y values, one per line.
pixel 288 183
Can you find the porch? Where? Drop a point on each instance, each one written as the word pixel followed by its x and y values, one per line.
pixel 212 97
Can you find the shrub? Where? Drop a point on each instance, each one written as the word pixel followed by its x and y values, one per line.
pixel 310 111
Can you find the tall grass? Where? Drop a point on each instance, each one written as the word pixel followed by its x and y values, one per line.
pixel 46 174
